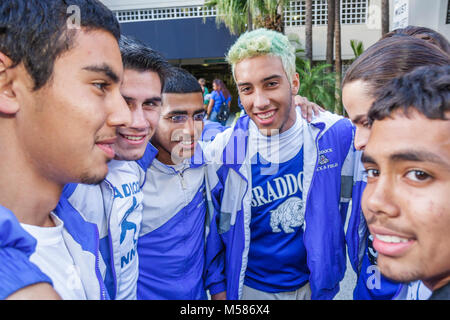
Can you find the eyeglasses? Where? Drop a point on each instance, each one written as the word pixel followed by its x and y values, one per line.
pixel 182 118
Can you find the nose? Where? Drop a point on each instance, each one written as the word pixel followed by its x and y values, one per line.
pixel 188 127
pixel 138 120
pixel 118 112
pixel 260 100
pixel 378 198
pixel 362 135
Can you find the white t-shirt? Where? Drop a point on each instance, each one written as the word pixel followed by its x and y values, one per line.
pixel 277 148
pixel 54 259
pixel 277 255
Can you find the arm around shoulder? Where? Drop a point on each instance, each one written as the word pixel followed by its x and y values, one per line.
pixel 37 291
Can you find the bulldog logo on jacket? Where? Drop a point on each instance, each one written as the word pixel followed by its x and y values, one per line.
pixel 289 214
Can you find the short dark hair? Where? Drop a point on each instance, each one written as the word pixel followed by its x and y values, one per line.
pixel 36 33
pixel 423 33
pixel 140 57
pixel 181 81
pixel 426 89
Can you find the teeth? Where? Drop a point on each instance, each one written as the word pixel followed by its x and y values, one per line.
pixel 266 115
pixel 133 138
pixel 188 143
pixel 391 239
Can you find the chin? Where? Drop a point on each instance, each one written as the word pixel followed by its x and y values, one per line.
pixel 399 273
pixel 93 178
pixel 128 157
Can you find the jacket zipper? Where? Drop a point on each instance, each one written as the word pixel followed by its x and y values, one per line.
pixel 110 240
pixel 183 184
pixel 97 270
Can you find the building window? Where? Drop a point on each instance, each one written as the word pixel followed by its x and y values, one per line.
pixel 165 13
pixel 352 12
pixel 447 21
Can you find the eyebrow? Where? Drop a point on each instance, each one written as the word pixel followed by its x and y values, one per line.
pixel 417 156
pixel 414 156
pixel 152 99
pixel 274 76
pixel 358 118
pixel 365 158
pixel 175 112
pixel 105 70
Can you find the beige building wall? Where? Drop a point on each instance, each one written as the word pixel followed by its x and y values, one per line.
pixel 425 13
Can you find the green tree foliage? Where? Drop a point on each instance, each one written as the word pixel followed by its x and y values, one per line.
pixel 357 47
pixel 235 14
pixel 317 84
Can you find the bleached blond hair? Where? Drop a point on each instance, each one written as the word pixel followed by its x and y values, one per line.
pixel 262 42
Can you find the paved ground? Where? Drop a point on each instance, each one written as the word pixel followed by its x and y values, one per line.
pixel 347 284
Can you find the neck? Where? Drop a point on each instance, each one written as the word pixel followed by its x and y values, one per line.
pixel 290 121
pixel 29 195
pixel 163 156
pixel 437 283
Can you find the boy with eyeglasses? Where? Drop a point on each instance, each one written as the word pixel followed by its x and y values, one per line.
pixel 171 241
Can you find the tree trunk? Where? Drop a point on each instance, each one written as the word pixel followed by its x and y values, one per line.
pixel 308 31
pixel 280 16
pixel 249 20
pixel 384 17
pixel 337 61
pixel 330 34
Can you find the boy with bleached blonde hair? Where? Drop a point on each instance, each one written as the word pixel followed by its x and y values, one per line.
pixel 280 186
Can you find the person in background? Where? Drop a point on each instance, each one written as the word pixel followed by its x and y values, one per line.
pixel 206 94
pixel 405 202
pixel 220 95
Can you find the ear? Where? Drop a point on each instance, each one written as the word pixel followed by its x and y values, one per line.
pixel 8 102
pixel 295 85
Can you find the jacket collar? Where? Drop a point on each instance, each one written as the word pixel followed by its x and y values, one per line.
pixel 235 151
pixel 147 159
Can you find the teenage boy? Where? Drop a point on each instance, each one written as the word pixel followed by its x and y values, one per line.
pixel 406 201
pixel 115 204
pixel 171 242
pixel 280 186
pixel 60 106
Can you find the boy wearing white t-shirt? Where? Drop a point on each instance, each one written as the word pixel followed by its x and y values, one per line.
pixel 60 105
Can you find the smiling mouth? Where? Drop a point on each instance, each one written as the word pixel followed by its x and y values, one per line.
pixel 392 245
pixel 391 239
pixel 266 115
pixel 187 144
pixel 133 138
